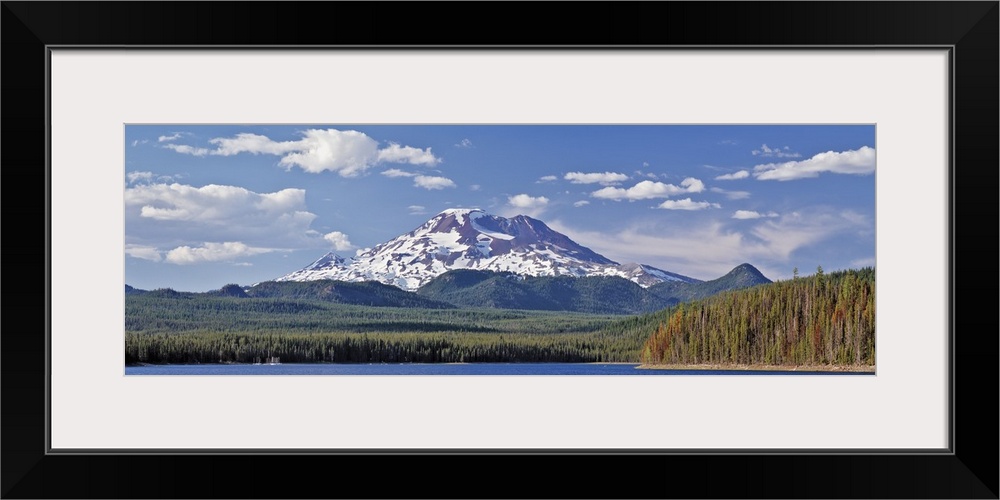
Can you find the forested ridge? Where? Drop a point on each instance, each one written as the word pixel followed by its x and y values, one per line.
pixel 823 319
pixel 590 294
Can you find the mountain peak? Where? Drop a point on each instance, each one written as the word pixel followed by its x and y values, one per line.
pixel 745 275
pixel 471 238
pixel 746 268
pixel 458 211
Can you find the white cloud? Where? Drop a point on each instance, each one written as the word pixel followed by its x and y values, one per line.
pixel 143 252
pixel 187 150
pixel 475 187
pixel 346 152
pixel 687 204
pixel 603 178
pixel 728 142
pixel 417 209
pixel 732 195
pixel 422 181
pixel 255 144
pixel 751 214
pixel 547 178
pixel 407 154
pixel 856 162
pixel 766 152
pixel 168 138
pixel 138 142
pixel 395 172
pixel 526 201
pixel 212 252
pixel 431 182
pixel 581 203
pixel 742 174
pixel 339 240
pixel 464 144
pixel 212 203
pixel 523 204
pixel 172 215
pixel 650 189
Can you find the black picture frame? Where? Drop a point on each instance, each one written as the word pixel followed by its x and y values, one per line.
pixel 968 470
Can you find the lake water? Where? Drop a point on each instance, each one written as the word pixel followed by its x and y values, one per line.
pixel 441 369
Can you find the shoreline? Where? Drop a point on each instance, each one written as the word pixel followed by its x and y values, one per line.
pixel 751 368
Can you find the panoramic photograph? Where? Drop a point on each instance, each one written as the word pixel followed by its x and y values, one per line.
pixel 351 249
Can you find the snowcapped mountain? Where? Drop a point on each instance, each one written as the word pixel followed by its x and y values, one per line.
pixel 474 239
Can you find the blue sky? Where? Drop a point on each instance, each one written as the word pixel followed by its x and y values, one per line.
pixel 208 205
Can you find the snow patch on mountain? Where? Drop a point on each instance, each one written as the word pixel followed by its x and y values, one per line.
pixel 473 239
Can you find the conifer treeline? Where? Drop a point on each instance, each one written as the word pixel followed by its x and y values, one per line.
pixel 203 329
pixel 824 319
pixel 371 348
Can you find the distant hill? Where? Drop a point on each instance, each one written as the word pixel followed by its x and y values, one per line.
pixel 590 294
pixel 339 292
pixel 742 276
pixel 368 293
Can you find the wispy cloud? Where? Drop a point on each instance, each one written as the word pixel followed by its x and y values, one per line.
pixel 143 252
pixel 728 142
pixel 742 174
pixel 732 195
pixel 650 189
pixel 168 138
pixel 856 162
pixel 581 203
pixel 546 178
pixel 687 204
pixel 751 214
pixel 863 262
pixel 188 150
pixel 709 250
pixel 602 178
pixel 134 177
pixel 417 209
pixel 395 172
pixel 138 142
pixel 766 152
pixel 464 144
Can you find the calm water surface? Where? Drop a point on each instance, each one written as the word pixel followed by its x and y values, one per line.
pixel 440 369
